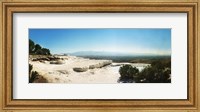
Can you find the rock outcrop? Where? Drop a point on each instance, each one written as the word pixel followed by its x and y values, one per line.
pixel 80 69
pixel 99 65
pixel 57 62
pixel 44 58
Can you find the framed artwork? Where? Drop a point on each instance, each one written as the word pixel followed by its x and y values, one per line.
pixel 123 55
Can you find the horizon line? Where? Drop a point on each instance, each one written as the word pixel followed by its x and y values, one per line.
pixel 114 52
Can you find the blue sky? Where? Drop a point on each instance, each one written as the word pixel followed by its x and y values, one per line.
pixel 133 41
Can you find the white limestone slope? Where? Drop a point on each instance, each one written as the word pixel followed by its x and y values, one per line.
pixel 64 73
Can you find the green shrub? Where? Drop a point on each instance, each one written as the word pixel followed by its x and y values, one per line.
pixel 156 73
pixel 34 76
pixel 128 73
pixel 30 68
pixel 147 75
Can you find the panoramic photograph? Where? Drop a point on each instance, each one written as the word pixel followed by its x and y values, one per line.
pixel 99 55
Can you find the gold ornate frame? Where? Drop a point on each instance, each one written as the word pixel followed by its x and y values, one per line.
pixel 191 7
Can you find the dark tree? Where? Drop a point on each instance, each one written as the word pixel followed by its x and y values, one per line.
pixel 31 46
pixel 46 51
pixel 39 52
pixel 37 47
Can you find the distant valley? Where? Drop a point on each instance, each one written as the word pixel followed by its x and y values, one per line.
pixel 120 57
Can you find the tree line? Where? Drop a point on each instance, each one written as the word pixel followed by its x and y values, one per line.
pixel 36 49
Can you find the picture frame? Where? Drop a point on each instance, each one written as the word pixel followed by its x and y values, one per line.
pixel 8 7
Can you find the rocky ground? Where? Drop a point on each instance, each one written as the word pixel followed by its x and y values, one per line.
pixel 78 70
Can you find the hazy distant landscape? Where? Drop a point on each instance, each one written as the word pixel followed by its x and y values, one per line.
pixel 68 60
pixel 118 57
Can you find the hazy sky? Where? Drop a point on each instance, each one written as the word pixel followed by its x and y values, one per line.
pixel 134 41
